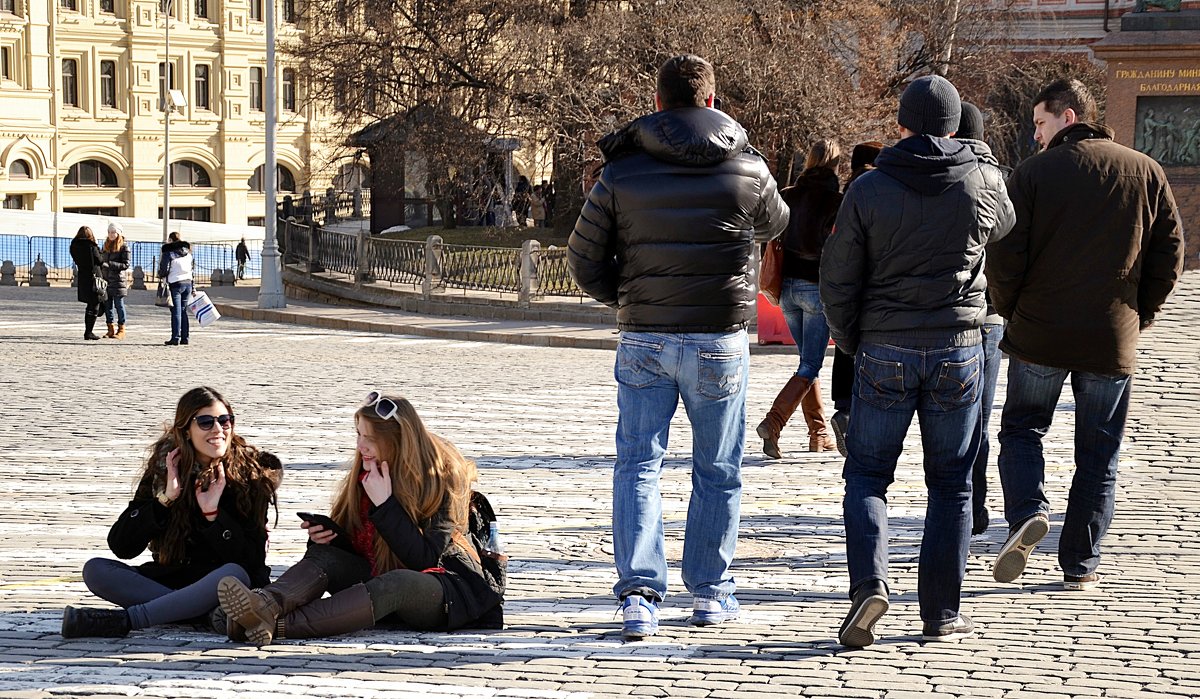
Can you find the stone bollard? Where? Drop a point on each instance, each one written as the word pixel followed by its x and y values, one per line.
pixel 531 250
pixel 39 274
pixel 8 274
pixel 433 266
pixel 217 278
pixel 228 278
pixel 139 278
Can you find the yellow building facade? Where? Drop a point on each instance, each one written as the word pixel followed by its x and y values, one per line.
pixel 81 118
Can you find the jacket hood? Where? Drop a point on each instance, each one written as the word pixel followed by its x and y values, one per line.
pixel 983 152
pixel 817 178
pixel 695 136
pixel 177 246
pixel 928 164
pixel 1081 131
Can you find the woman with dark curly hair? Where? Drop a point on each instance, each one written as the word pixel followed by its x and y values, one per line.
pixel 201 507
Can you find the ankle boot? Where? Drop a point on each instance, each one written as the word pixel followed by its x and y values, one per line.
pixel 111 332
pixel 222 625
pixel 781 410
pixel 814 414
pixel 120 332
pixel 78 622
pixel 347 611
pixel 257 611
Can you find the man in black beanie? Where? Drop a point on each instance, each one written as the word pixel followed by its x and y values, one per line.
pixel 903 288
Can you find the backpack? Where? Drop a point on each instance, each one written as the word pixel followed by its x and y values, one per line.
pixel 495 565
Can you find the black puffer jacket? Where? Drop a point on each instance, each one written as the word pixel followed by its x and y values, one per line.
pixel 814 199
pixel 905 262
pixel 114 265
pixel 667 233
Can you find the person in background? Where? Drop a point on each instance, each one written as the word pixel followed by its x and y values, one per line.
pixel 242 253
pixel 86 256
pixel 114 261
pixel 813 198
pixel 175 265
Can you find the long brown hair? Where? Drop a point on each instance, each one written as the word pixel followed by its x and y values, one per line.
pixel 85 233
pixel 114 244
pixel 427 473
pixel 252 475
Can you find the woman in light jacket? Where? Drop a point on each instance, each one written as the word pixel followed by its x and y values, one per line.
pixel 175 266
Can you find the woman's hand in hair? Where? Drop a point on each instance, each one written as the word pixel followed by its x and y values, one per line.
pixel 173 487
pixel 210 498
pixel 378 482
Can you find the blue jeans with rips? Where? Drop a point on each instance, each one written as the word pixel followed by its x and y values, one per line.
pixel 992 334
pixel 1101 406
pixel 941 386
pixel 181 296
pixel 653 372
pixel 800 301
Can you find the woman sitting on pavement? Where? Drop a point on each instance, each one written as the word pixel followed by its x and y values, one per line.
pixel 201 507
pixel 398 547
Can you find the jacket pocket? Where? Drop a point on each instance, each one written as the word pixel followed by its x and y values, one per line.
pixel 720 372
pixel 880 382
pixel 957 384
pixel 638 362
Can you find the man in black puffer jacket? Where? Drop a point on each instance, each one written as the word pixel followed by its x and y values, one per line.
pixel 666 237
pixel 903 287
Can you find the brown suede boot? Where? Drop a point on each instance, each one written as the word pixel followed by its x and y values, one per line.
pixel 111 331
pixel 347 611
pixel 257 611
pixel 814 414
pixel 781 410
pixel 120 332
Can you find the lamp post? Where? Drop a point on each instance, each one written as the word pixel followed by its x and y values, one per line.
pixel 167 107
pixel 270 291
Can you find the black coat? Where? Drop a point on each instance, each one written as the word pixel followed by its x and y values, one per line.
pixel 667 234
pixel 86 256
pixel 113 269
pixel 814 200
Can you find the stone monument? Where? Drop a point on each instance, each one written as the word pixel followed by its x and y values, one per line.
pixel 1153 101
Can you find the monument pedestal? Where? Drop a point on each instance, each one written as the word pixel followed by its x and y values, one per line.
pixel 1153 101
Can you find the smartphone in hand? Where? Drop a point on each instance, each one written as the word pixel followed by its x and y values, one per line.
pixel 323 521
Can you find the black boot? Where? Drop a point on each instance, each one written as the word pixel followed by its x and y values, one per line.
pixel 106 623
pixel 89 322
pixel 348 611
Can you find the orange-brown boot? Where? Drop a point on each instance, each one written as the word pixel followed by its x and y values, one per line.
pixel 781 410
pixel 111 332
pixel 120 332
pixel 814 414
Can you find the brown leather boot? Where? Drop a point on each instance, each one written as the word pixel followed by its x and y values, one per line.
pixel 781 410
pixel 111 331
pixel 814 414
pixel 347 611
pixel 120 332
pixel 257 611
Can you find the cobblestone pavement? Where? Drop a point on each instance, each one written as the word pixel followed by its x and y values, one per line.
pixel 75 419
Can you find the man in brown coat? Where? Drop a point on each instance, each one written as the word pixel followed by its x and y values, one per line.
pixel 1096 250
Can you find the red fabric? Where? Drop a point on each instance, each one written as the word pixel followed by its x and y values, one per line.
pixel 364 540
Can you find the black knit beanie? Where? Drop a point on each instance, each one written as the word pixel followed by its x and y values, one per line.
pixel 930 105
pixel 970 124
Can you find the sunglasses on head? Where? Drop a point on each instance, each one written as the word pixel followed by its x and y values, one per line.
pixel 206 422
pixel 385 408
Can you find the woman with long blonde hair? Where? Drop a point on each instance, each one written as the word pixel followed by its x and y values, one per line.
pixel 201 507
pixel 397 548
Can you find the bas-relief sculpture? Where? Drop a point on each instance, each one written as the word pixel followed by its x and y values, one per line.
pixel 1168 129
pixel 1168 5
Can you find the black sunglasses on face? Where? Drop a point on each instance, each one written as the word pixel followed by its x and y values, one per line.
pixel 206 422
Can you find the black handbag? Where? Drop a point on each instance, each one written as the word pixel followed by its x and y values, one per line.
pixel 100 286
pixel 162 297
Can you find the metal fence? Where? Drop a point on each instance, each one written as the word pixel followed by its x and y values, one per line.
pixel 553 275
pixel 25 251
pixel 397 261
pixel 481 268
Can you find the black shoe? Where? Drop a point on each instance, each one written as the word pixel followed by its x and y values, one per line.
pixel 105 623
pixel 183 341
pixel 171 342
pixel 867 607
pixel 979 522
pixel 91 336
pixel 956 629
pixel 840 421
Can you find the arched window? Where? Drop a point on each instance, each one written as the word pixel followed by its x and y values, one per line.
pixel 20 170
pixel 285 181
pixel 352 176
pixel 188 173
pixel 90 173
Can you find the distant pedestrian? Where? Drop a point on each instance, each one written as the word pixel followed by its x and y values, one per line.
pixel 537 207
pixel 242 253
pixel 400 551
pixel 86 255
pixel 175 266
pixel 813 198
pixel 201 508
pixel 114 261
pixel 903 287
pixel 970 132
pixel 1097 249
pixel 548 197
pixel 666 237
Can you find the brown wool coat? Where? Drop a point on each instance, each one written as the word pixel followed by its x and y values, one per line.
pixel 1097 248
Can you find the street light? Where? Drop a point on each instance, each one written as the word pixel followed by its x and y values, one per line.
pixel 171 100
pixel 270 290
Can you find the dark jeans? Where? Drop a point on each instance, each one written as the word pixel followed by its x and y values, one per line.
pixel 181 296
pixel 1101 405
pixel 842 389
pixel 992 334
pixel 150 603
pixel 941 387
pixel 406 597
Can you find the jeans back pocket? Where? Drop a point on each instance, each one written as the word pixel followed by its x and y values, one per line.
pixel 639 362
pixel 880 381
pixel 957 384
pixel 720 372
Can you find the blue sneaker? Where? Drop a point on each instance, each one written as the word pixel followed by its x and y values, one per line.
pixel 707 611
pixel 639 618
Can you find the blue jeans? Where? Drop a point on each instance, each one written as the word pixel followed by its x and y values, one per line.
pixel 149 602
pixel 800 301
pixel 941 385
pixel 992 334
pixel 1101 405
pixel 181 296
pixel 653 371
pixel 114 303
